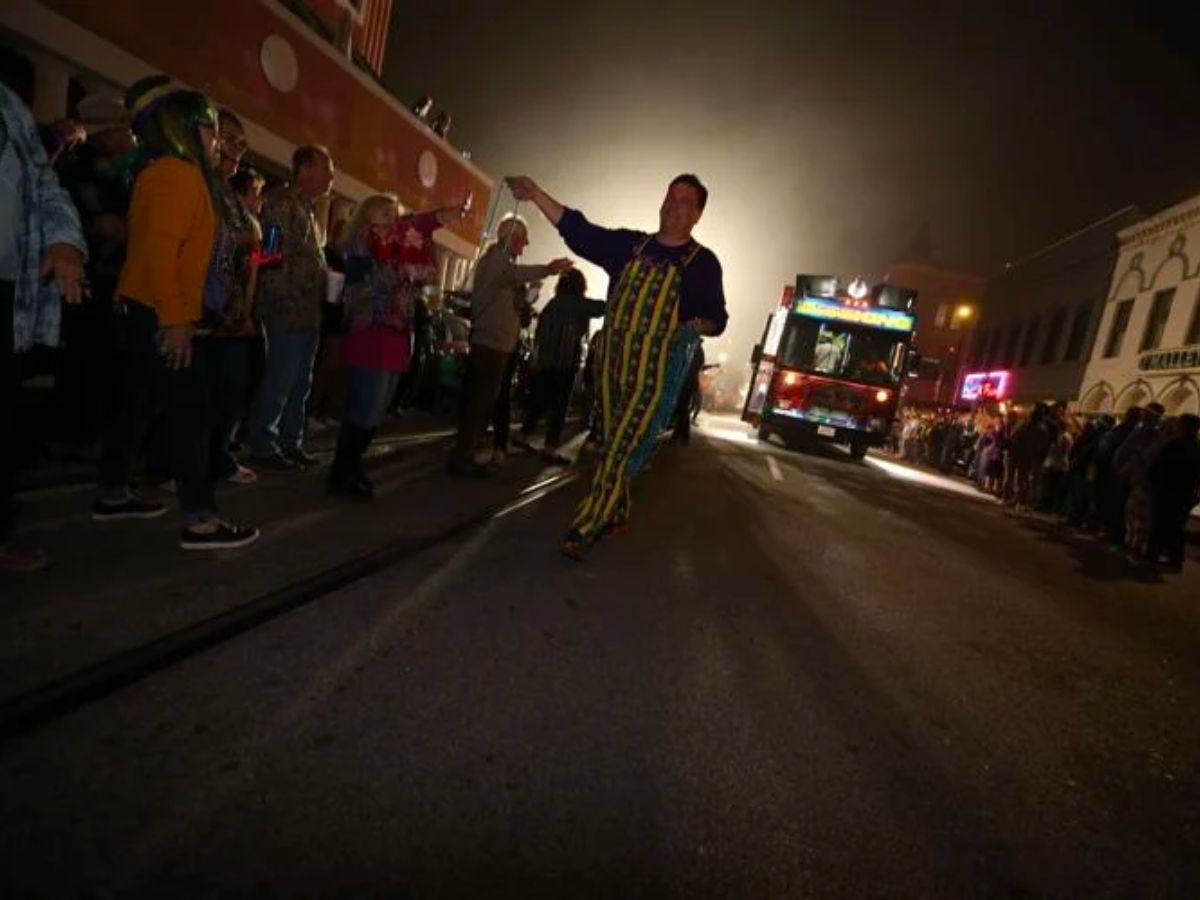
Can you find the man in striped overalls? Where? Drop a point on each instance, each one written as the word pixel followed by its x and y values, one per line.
pixel 665 291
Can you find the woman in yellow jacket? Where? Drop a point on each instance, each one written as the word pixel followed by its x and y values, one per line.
pixel 179 209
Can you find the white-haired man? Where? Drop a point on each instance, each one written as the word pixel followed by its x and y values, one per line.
pixel 496 299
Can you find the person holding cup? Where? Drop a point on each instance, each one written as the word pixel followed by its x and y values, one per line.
pixel 389 259
pixel 229 300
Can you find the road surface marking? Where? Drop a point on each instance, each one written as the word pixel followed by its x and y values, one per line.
pixel 776 472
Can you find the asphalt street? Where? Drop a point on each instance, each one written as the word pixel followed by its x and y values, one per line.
pixel 796 675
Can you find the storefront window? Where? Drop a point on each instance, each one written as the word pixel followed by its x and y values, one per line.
pixel 1120 324
pixel 1079 327
pixel 1160 311
pixel 1193 332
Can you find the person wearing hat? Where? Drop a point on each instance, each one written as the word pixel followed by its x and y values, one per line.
pixel 179 211
pixel 42 255
pixel 96 175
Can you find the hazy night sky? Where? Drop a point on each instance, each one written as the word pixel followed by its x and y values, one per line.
pixel 826 132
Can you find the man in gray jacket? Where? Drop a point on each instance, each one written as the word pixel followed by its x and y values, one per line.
pixel 496 300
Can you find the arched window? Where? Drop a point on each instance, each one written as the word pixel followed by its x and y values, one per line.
pixel 1136 394
pixel 1181 397
pixel 1098 399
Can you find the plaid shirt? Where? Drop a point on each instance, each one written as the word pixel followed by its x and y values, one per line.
pixel 296 289
pixel 47 217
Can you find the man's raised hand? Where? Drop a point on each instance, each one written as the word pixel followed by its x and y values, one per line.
pixel 522 186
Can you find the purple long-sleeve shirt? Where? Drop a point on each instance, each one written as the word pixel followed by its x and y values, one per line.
pixel 701 294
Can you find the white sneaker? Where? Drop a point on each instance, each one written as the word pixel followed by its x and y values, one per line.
pixel 243 475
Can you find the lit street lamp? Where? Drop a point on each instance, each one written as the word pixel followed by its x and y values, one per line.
pixel 963 314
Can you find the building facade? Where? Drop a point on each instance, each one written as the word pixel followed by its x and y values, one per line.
pixel 947 302
pixel 1038 322
pixel 1148 345
pixel 279 67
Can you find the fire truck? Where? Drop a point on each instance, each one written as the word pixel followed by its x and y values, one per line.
pixel 832 362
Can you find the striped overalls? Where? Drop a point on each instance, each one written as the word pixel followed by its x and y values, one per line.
pixel 642 364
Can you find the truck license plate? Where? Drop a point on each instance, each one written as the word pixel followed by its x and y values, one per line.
pixel 826 431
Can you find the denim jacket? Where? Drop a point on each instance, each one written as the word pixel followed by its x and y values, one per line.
pixel 47 217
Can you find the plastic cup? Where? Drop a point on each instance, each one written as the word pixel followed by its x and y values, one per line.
pixel 334 283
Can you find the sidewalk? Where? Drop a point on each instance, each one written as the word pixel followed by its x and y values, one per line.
pixel 964 485
pixel 49 472
pixel 119 585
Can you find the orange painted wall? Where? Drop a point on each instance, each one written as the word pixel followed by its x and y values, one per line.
pixel 220 55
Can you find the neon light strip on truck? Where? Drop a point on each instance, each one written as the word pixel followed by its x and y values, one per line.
pixel 890 319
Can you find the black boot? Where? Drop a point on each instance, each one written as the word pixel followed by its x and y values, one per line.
pixel 345 475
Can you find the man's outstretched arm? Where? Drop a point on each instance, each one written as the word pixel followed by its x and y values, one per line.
pixel 526 189
pixel 606 247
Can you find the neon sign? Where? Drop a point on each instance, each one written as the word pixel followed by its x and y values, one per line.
pixel 872 317
pixel 985 386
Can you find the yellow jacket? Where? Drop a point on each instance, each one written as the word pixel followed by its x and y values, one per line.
pixel 171 234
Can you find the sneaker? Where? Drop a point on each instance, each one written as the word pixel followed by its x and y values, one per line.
pixel 223 537
pixel 301 459
pixel 276 462
pixel 132 508
pixel 242 475
pixel 22 559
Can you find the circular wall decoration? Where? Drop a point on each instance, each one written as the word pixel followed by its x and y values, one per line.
pixel 278 61
pixel 427 169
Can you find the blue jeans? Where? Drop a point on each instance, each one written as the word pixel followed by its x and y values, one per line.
pixel 368 392
pixel 278 421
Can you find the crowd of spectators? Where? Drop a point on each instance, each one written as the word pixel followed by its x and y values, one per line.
pixel 187 307
pixel 1131 483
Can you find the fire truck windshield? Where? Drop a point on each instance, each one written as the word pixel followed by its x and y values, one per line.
pixel 839 350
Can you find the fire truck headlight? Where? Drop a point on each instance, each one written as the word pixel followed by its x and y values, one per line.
pixel 790 378
pixel 882 396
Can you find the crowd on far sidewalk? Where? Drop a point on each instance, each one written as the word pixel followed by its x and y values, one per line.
pixel 1132 483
